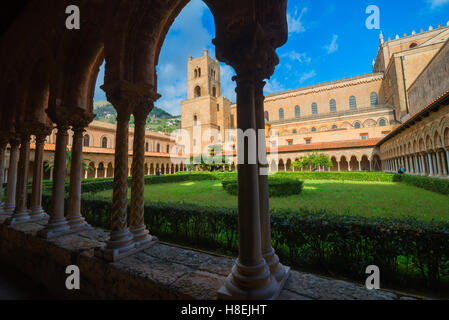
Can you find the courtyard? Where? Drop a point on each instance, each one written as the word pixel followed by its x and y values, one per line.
pixel 362 198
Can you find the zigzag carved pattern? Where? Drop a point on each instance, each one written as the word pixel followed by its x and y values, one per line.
pixel 120 195
pixel 138 183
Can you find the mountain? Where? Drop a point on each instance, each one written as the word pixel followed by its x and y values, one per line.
pixel 159 120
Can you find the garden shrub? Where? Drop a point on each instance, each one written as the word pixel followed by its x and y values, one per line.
pixel 278 186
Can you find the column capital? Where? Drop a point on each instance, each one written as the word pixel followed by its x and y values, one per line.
pixel 81 119
pixel 40 131
pixel 128 98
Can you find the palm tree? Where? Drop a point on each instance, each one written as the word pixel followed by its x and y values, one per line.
pixel 51 164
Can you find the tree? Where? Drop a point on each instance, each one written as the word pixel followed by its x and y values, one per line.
pixel 51 164
pixel 212 162
pixel 313 162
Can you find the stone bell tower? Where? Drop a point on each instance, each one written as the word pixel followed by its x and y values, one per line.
pixel 205 108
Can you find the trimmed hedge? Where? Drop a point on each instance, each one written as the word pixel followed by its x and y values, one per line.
pixel 278 187
pixel 407 251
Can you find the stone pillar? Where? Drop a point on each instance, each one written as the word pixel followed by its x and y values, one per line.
pixel 438 161
pixel 86 172
pixel 21 212
pixel 36 194
pixel 51 174
pixel 277 270
pixel 251 277
pixel 443 164
pixel 447 159
pixel 338 162
pixel 430 164
pixel 57 225
pixel 74 217
pixel 10 201
pixel 141 236
pixel 2 171
pixel 120 243
pixel 96 172
pixel 360 165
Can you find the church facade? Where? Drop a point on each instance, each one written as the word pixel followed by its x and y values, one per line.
pixel 351 120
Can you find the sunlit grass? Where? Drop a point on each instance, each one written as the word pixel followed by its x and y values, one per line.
pixel 370 199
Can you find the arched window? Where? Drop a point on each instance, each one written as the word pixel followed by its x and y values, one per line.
pixel 414 44
pixel 281 114
pixel 196 73
pixel 104 142
pixel 313 129
pixel 168 148
pixel 352 102
pixel 374 99
pixel 199 72
pixel 297 112
pixel 382 123
pixel 147 147
pixel 333 105
pixel 357 125
pixel 197 91
pixel 334 127
pixel 267 116
pixel 314 108
pixel 195 120
pixel 158 148
pixel 294 131
pixel 86 141
pixel 214 91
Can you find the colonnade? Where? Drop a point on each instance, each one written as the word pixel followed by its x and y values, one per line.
pixel 433 163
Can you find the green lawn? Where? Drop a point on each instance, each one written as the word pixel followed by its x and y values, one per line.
pixel 348 197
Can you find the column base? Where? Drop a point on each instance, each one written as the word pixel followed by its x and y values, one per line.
pixel 278 271
pixel 55 228
pixel 141 236
pixel 78 223
pixel 249 283
pixel 113 254
pixel 20 216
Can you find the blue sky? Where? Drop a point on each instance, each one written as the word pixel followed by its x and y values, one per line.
pixel 328 40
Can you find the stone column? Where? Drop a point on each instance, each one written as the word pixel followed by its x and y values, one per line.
pixel 36 194
pixel 120 242
pixel 57 225
pixel 86 172
pixel 251 276
pixel 438 161
pixel 21 212
pixel 430 164
pixel 443 164
pixel 51 174
pixel 447 159
pixel 96 172
pixel 2 171
pixel 141 236
pixel 360 165
pixel 74 217
pixel 10 201
pixel 338 162
pixel 277 269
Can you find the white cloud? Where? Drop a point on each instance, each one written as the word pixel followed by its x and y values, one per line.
pixel 295 56
pixel 273 86
pixel 333 47
pixel 437 3
pixel 295 24
pixel 306 76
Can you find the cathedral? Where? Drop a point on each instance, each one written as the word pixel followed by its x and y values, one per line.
pixel 354 120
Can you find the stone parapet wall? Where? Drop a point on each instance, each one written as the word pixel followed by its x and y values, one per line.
pixel 160 272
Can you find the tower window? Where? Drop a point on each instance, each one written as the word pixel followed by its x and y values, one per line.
pixel 197 91
pixel 218 107
pixel 314 108
pixel 195 120
pixel 214 91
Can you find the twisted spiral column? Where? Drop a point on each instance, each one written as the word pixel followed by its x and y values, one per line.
pixel 137 225
pixel 120 240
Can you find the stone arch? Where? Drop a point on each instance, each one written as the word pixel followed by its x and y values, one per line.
pixel 354 163
pixel 344 165
pixel 101 170
pixel 365 163
pixel 334 164
pixel 369 123
pixel 110 170
pixel 91 173
pixel 288 165
pixel 281 165
pixel 376 163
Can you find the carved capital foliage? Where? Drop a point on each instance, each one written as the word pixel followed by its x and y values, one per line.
pixel 81 118
pixel 128 98
pixel 248 34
